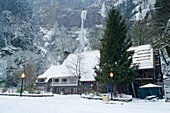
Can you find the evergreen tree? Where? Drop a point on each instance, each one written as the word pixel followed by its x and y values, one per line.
pixel 114 56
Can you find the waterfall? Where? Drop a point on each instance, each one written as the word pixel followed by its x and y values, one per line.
pixel 82 33
pixel 103 10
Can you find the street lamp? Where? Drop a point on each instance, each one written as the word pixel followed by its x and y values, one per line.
pixel 22 80
pixel 111 83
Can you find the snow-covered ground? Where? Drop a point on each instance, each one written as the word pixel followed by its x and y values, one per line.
pixel 75 104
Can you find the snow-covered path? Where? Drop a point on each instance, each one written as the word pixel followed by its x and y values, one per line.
pixel 75 104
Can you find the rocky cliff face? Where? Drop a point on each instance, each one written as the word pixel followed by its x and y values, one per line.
pixel 68 13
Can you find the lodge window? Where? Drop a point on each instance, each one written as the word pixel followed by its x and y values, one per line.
pixel 64 80
pixel 73 80
pixel 40 80
pixel 56 80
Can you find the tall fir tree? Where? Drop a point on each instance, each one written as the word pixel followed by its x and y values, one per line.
pixel 114 56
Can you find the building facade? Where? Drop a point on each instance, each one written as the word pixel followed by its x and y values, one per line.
pixel 66 78
pixel 149 65
pixel 74 76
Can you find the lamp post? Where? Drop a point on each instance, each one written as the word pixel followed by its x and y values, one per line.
pixel 111 83
pixel 22 80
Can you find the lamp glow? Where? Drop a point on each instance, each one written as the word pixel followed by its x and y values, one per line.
pixel 22 75
pixel 111 75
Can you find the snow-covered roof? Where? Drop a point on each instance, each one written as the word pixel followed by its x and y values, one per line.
pixel 88 60
pixel 143 56
pixel 149 86
pixel 54 71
